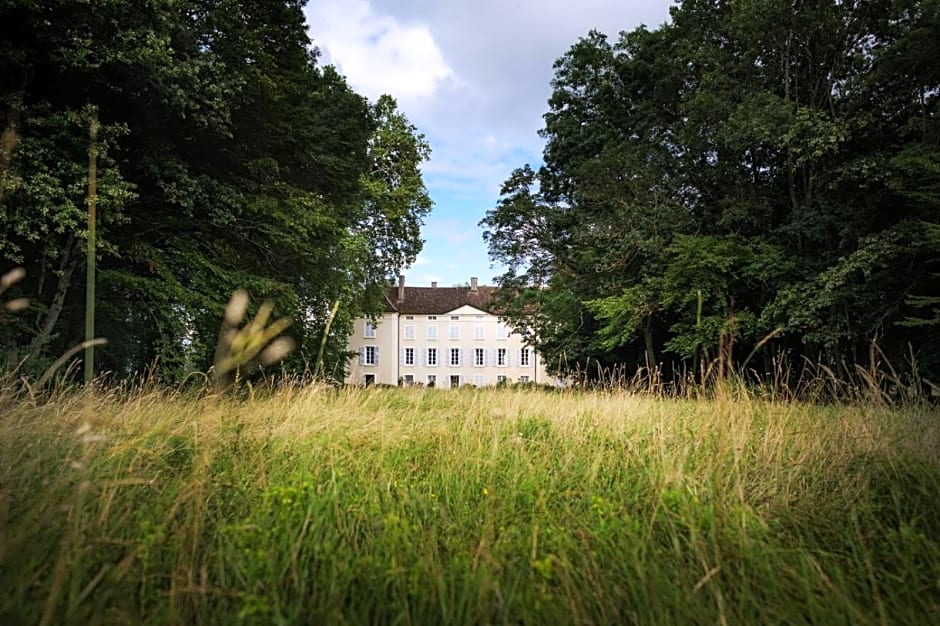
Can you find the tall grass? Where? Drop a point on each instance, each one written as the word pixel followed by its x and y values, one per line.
pixel 421 506
pixel 807 381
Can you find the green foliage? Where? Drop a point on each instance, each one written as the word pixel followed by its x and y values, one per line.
pixel 229 159
pixel 781 165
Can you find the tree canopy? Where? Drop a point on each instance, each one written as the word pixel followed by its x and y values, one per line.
pixel 759 169
pixel 228 158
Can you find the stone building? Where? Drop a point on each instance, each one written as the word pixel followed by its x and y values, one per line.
pixel 442 337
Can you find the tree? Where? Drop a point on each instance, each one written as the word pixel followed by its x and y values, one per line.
pixel 230 158
pixel 750 169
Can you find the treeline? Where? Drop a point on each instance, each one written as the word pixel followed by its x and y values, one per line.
pixel 227 157
pixel 760 174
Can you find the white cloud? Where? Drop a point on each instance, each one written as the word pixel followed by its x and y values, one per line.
pixel 474 77
pixel 377 53
pixel 503 51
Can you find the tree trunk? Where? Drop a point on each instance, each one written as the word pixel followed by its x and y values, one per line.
pixel 66 268
pixel 648 339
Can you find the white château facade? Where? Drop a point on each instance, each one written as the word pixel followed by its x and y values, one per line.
pixel 442 337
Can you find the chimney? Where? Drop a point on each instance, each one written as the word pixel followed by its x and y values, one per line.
pixel 474 283
pixel 434 284
pixel 401 287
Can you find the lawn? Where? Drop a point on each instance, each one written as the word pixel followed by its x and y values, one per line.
pixel 423 506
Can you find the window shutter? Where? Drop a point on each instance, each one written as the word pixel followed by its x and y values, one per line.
pixel 486 357
pixel 376 355
pixel 362 355
pixel 401 357
pixel 460 358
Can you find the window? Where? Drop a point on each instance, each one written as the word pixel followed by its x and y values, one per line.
pixel 432 317
pixel 432 331
pixel 368 380
pixel 454 382
pixel 409 356
pixel 454 357
pixel 501 379
pixel 501 331
pixel 409 380
pixel 524 357
pixel 479 357
pixel 479 331
pixel 501 357
pixel 455 332
pixel 455 317
pixel 432 380
pixel 479 317
pixel 370 355
pixel 478 380
pixel 369 331
pixel 409 317
pixel 409 332
pixel 523 379
pixel 432 357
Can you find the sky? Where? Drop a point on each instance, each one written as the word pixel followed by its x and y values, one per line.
pixel 474 77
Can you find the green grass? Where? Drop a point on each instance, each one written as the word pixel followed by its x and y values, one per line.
pixel 489 506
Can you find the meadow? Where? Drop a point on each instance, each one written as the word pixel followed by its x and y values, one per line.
pixel 494 506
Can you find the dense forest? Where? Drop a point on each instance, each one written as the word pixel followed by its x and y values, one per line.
pixel 755 182
pixel 227 157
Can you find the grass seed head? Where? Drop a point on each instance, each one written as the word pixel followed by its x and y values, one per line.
pixel 16 305
pixel 237 305
pixel 12 277
pixel 256 344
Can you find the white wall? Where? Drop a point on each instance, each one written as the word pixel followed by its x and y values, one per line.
pixel 386 340
pixel 392 350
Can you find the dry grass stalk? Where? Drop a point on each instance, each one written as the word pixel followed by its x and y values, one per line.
pixel 257 344
pixel 8 280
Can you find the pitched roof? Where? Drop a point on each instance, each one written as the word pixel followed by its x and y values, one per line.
pixel 439 300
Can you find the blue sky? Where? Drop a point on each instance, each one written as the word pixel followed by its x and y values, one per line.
pixel 473 76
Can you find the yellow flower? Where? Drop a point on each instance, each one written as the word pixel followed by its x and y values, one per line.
pixel 486 491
